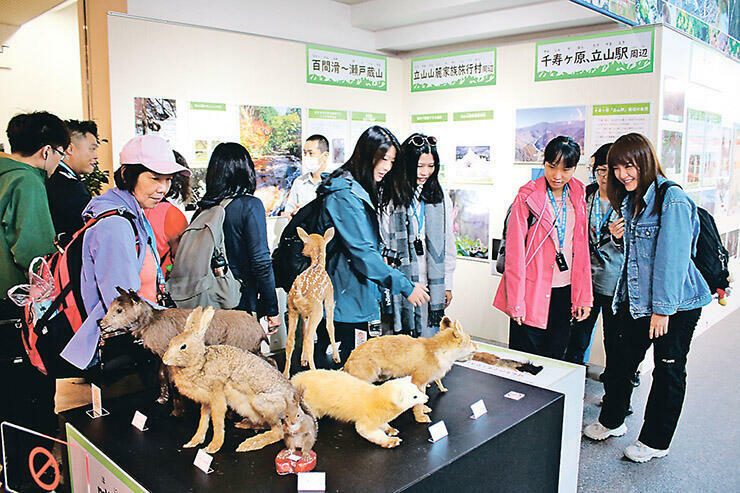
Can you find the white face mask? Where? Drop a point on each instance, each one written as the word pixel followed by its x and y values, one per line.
pixel 310 164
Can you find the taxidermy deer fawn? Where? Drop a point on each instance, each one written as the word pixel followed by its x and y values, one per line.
pixel 311 293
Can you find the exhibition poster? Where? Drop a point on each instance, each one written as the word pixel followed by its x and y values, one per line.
pixel 610 121
pixel 92 471
pixel 695 129
pixel 535 127
pixel 670 152
pixel 361 121
pixel 472 135
pixel 470 222
pixel 453 70
pixel 436 125
pixel 213 121
pixel 334 67
pixel 735 187
pixel 334 125
pixel 272 135
pixel 712 149
pixel 156 116
pixel 674 96
pixel 725 167
pixel 596 55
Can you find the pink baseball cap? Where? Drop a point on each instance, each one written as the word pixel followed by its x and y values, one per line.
pixel 153 152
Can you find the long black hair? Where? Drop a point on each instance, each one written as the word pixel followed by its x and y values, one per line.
pixel 372 146
pixel 230 173
pixel 431 193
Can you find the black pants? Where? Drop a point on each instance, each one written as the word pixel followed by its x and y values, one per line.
pixel 580 335
pixel 669 376
pixel 553 341
pixel 344 333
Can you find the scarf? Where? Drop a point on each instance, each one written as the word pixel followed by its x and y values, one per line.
pixel 400 237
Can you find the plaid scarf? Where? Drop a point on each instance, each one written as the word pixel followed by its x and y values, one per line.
pixel 400 237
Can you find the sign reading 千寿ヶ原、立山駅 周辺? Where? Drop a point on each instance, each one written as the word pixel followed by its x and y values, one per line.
pixel 620 53
pixel 454 70
pixel 334 67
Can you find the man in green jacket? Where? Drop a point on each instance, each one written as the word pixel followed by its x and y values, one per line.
pixel 37 143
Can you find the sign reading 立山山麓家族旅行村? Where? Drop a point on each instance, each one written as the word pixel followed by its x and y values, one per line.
pixel 334 67
pixel 597 55
pixel 454 70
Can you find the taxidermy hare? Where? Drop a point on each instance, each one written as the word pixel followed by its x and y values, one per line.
pixel 424 359
pixel 222 376
pixel 311 293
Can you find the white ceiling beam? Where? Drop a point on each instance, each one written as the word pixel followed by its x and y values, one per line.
pixel 546 16
pixel 376 15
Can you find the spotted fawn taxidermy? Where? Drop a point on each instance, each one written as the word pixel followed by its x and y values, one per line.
pixel 312 293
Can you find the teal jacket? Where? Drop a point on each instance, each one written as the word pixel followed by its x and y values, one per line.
pixel 355 265
pixel 26 228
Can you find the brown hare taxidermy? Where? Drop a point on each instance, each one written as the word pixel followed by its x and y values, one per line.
pixel 312 293
pixel 220 377
pixel 425 360
pixel 370 407
pixel 493 360
pixel 156 327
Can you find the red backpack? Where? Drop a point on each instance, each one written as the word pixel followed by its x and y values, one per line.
pixel 50 323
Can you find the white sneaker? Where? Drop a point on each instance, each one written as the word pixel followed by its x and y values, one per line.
pixel 597 431
pixel 639 452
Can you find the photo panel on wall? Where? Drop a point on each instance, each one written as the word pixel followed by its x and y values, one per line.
pixel 535 127
pixel 471 212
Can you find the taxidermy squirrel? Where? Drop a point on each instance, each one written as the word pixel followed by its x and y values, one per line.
pixel 300 429
pixel 156 328
pixel 493 360
pixel 225 376
pixel 311 293
pixel 339 395
pixel 423 359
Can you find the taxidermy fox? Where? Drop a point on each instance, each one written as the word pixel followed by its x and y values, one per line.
pixel 225 376
pixel 370 407
pixel 311 293
pixel 423 359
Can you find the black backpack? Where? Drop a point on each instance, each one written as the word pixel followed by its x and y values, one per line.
pixel 287 259
pixel 711 255
pixel 501 258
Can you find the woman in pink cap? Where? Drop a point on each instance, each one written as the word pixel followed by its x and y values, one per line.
pixel 120 250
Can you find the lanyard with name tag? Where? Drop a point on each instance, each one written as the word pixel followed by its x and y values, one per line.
pixel 561 220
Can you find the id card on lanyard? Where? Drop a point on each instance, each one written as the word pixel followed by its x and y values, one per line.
pixel 561 220
pixel 418 243
pixel 163 298
pixel 599 222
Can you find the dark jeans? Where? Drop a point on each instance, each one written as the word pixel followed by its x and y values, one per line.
pixel 553 341
pixel 669 376
pixel 344 333
pixel 580 335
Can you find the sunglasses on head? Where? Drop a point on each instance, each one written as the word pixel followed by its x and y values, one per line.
pixel 419 140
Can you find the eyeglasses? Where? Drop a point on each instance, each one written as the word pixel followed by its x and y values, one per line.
pixel 602 172
pixel 61 153
pixel 419 140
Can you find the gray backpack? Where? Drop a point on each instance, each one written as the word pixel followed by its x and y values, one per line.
pixel 200 274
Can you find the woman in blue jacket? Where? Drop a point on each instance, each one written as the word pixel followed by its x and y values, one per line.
pixel 352 196
pixel 658 297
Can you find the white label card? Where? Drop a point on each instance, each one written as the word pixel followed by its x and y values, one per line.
pixel 478 408
pixel 294 457
pixel 311 481
pixel 360 337
pixel 203 461
pixel 139 421
pixel 97 400
pixel 437 431
pixel 514 395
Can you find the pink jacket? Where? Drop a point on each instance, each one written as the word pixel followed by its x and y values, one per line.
pixel 525 288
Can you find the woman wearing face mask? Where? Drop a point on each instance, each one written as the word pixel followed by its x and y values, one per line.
pixel 120 250
pixel 658 297
pixel 546 284
pixel 352 196
pixel 420 231
pixel 605 232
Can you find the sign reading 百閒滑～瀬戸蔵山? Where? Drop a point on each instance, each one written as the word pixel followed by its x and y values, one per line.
pixel 334 67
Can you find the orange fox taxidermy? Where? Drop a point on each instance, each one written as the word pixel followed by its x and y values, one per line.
pixel 311 293
pixel 370 407
pixel 423 359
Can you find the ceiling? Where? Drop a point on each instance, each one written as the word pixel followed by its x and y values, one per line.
pixel 14 13
pixel 407 25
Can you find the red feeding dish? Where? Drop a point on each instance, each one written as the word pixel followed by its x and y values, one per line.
pixel 288 462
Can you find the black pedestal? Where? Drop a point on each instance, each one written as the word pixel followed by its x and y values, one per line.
pixel 515 447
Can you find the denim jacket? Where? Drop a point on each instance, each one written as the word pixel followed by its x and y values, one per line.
pixel 658 274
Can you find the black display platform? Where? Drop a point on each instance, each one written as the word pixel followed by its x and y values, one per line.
pixel 515 447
